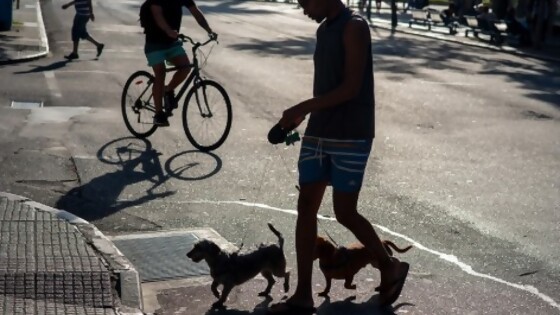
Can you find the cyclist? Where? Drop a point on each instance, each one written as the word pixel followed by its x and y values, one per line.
pixel 161 20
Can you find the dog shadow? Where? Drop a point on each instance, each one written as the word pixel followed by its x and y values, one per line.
pixel 260 308
pixel 349 307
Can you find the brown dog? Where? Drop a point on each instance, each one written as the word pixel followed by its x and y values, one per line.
pixel 345 262
pixel 231 269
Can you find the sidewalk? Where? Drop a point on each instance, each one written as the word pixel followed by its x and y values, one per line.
pixel 27 39
pixel 52 262
pixel 382 20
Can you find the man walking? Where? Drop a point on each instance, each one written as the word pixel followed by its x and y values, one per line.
pixel 336 146
pixel 84 12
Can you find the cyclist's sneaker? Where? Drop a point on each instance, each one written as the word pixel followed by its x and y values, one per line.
pixel 169 100
pixel 160 119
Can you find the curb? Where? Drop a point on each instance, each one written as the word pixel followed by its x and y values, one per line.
pixel 128 279
pixel 43 38
pixel 512 51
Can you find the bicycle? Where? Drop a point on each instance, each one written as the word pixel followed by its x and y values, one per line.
pixel 140 105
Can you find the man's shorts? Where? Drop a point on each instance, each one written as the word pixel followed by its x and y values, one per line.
pixel 341 163
pixel 159 53
pixel 79 30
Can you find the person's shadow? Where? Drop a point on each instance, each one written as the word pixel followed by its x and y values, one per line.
pixel 346 307
pixel 137 163
pixel 53 66
pixel 349 307
pixel 99 197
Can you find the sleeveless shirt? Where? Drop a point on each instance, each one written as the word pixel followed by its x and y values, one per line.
pixel 351 120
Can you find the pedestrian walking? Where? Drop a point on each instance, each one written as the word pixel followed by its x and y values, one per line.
pixel 336 146
pixel 84 13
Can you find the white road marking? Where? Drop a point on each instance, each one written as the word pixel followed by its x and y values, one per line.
pixel 52 84
pixel 86 71
pixel 449 83
pixel 55 114
pixel 449 258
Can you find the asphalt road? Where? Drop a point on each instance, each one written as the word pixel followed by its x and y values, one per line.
pixel 466 163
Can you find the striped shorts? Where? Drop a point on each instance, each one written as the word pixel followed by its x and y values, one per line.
pixel 341 163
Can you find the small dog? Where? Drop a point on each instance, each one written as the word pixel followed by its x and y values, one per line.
pixel 345 262
pixel 231 269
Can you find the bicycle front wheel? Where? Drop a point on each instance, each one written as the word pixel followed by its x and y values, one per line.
pixel 137 104
pixel 207 115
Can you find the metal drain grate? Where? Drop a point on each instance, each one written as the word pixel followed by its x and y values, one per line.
pixel 161 256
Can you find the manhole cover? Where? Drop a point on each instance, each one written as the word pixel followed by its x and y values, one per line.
pixel 26 105
pixel 162 256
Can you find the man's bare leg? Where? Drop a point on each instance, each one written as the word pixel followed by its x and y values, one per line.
pixel 309 201
pixel 345 208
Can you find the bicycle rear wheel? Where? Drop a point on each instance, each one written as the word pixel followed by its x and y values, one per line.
pixel 207 115
pixel 137 104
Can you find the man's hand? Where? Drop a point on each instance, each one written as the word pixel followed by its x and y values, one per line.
pixel 92 17
pixel 172 33
pixel 213 36
pixel 292 117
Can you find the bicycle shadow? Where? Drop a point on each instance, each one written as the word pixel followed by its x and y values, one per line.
pixel 137 164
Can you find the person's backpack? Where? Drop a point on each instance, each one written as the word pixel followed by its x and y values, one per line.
pixel 147 21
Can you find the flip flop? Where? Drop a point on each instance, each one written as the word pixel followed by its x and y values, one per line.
pixel 395 288
pixel 290 309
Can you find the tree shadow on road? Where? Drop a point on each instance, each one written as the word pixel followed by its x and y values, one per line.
pixel 137 164
pixel 539 79
pixel 292 47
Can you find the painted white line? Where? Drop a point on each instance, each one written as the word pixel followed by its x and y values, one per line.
pixel 449 83
pixel 30 6
pixel 86 71
pixel 30 24
pixel 52 84
pixel 449 258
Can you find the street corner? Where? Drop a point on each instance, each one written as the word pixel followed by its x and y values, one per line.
pixel 65 260
pixel 27 37
pixel 162 264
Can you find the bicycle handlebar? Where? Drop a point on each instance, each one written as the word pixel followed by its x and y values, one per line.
pixel 185 38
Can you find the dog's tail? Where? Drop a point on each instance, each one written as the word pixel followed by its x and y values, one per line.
pixel 389 245
pixel 280 238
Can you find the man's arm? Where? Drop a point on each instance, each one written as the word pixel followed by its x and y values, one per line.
pixel 356 41
pixel 200 19
pixel 65 6
pixel 157 11
pixel 91 16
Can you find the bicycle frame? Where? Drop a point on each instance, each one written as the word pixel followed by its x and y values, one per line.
pixel 193 76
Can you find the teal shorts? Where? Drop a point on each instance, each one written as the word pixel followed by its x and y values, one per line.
pixel 159 53
pixel 340 163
